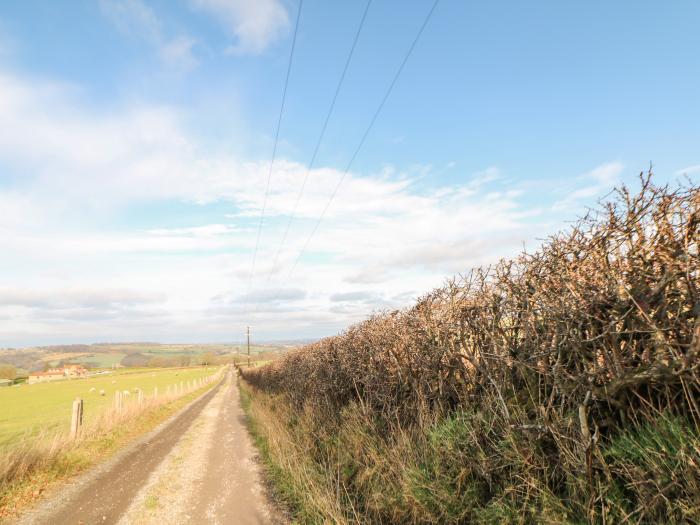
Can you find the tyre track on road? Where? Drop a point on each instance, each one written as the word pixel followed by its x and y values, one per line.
pixel 106 494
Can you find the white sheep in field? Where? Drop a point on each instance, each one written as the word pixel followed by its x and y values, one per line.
pixel 126 393
pixel 102 392
pixel 92 389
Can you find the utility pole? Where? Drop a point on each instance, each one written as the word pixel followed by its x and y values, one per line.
pixel 248 346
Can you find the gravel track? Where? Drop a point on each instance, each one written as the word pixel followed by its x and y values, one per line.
pixel 199 467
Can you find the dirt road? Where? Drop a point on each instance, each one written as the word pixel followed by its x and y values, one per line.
pixel 198 468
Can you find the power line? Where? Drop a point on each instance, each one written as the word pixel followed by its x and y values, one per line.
pixel 364 137
pixel 362 141
pixel 319 141
pixel 274 148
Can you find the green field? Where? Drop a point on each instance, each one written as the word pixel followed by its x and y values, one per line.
pixel 28 409
pixel 100 360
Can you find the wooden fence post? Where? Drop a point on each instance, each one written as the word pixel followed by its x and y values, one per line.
pixel 118 400
pixel 140 397
pixel 77 418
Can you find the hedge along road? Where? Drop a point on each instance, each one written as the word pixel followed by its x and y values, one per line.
pixel 198 467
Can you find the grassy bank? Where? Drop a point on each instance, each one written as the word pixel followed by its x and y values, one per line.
pixel 468 469
pixel 558 387
pixel 31 466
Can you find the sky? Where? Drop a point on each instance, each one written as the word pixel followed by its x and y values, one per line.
pixel 136 140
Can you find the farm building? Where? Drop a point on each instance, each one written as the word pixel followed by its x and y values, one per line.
pixel 49 375
pixel 74 370
pixel 57 373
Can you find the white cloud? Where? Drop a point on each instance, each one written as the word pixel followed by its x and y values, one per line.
pixel 689 170
pixel 210 230
pixel 274 295
pixel 135 18
pixel 80 173
pixel 352 296
pixel 596 182
pixel 132 16
pixel 255 24
pixel 63 298
pixel 179 51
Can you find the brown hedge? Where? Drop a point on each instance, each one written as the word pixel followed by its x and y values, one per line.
pixel 599 326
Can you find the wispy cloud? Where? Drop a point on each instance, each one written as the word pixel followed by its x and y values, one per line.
pixel 689 170
pixel 71 297
pixel 352 296
pixel 179 51
pixel 596 182
pixel 135 18
pixel 210 230
pixel 255 24
pixel 274 295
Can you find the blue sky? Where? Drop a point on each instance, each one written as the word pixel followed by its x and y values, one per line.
pixel 135 140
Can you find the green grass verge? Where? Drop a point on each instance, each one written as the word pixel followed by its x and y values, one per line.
pixel 466 468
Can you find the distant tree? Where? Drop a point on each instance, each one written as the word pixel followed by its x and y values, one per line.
pixel 8 372
pixel 160 362
pixel 182 360
pixel 208 358
pixel 135 360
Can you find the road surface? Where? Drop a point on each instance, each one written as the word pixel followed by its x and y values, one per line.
pixel 198 468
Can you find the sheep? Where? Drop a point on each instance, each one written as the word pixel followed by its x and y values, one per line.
pixel 126 393
pixel 92 389
pixel 102 392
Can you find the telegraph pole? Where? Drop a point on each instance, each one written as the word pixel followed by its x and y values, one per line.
pixel 248 332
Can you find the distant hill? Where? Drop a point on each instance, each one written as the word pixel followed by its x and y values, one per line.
pixel 134 354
